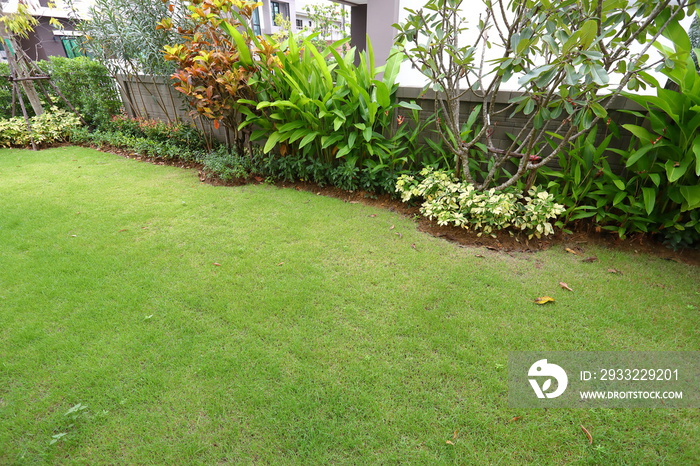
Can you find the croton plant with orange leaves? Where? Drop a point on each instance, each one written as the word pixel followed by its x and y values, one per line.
pixel 217 58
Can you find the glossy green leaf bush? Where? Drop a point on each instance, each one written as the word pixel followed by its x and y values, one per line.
pixel 88 86
pixel 320 106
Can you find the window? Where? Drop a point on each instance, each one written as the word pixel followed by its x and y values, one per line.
pixel 72 47
pixel 279 8
pixel 257 30
pixel 300 24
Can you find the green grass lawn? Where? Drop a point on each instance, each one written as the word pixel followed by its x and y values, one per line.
pixel 207 325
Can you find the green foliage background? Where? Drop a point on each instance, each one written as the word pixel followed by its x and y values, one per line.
pixel 84 82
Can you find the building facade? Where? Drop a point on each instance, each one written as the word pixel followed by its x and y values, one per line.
pixel 265 17
pixel 47 39
pixel 373 19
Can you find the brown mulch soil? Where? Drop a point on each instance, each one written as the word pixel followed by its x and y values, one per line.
pixel 585 235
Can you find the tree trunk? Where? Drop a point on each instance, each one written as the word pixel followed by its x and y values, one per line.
pixel 19 70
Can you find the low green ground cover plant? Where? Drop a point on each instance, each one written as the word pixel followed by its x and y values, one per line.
pixel 146 317
pixel 149 137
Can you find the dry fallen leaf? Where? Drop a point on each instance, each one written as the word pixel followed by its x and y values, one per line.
pixel 399 235
pixel 413 245
pixel 454 436
pixel 479 255
pixel 565 286
pixel 217 264
pixel 615 271
pixel 372 215
pixel 515 418
pixel 571 251
pixel 392 227
pixel 590 259
pixel 281 263
pixel 588 434
pixel 449 442
pixel 544 300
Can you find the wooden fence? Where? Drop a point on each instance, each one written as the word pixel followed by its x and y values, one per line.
pixel 155 97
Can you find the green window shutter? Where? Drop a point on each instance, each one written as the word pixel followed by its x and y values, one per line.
pixel 8 47
pixel 72 47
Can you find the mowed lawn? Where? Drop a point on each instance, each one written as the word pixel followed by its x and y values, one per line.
pixel 148 318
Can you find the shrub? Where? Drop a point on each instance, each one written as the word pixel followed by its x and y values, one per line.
pixel 450 201
pixel 320 105
pixel 226 165
pixel 87 85
pixel 329 115
pixel 5 92
pixel 52 126
pixel 84 82
pixel 658 191
pixel 13 132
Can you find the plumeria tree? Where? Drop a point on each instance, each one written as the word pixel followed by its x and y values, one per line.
pixel 561 56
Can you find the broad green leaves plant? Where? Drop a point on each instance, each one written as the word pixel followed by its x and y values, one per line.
pixel 320 101
pixel 562 56
pixel 669 148
pixel 319 105
pixel 664 165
